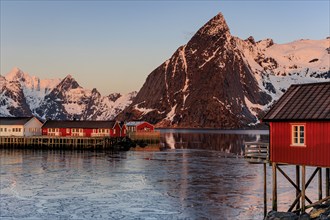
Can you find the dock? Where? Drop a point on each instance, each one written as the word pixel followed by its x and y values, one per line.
pixel 257 152
pixel 56 142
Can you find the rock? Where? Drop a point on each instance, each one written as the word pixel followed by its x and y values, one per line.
pixel 325 216
pixel 304 216
pixel 318 210
pixel 273 215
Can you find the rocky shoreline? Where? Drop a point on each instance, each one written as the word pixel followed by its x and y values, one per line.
pixel 319 212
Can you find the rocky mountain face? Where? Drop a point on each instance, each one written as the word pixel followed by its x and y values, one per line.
pixel 217 80
pixel 12 99
pixel 24 95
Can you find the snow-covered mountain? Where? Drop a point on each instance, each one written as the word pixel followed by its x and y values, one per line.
pixel 34 89
pixel 219 80
pixel 23 95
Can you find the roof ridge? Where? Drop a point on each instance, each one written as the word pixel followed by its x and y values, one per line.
pixel 309 84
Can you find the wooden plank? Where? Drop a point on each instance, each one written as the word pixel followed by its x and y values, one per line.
pixel 298 185
pixel 274 191
pixel 303 188
pixel 320 183
pixel 265 190
pixel 327 181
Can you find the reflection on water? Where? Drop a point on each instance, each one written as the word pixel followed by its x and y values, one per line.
pixel 224 141
pixel 199 179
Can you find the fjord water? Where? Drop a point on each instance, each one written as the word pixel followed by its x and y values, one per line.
pixel 192 174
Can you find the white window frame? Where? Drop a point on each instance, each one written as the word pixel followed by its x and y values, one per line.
pixel 298 133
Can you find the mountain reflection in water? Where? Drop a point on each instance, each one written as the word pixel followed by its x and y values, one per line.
pixel 218 140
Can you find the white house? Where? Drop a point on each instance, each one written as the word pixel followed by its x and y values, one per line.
pixel 20 126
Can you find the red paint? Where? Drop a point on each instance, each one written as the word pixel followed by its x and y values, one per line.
pixel 316 151
pixel 145 126
pixel 116 131
pixel 123 131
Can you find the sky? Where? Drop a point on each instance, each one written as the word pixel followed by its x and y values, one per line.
pixel 114 45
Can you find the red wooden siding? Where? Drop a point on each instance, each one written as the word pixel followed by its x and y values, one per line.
pixel 117 129
pixel 145 126
pixel 123 131
pixel 87 132
pixel 315 153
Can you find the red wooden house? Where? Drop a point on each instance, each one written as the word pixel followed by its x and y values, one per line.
pixel 139 126
pixel 83 128
pixel 300 126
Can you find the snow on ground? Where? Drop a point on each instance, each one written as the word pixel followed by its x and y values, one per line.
pixel 252 107
pixel 210 58
pixel 223 104
pixel 171 114
pixel 300 55
pixel 144 111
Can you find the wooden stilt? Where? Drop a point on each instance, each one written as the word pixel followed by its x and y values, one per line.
pixel 306 186
pixel 293 184
pixel 327 181
pixel 320 183
pixel 298 185
pixel 274 200
pixel 265 190
pixel 303 188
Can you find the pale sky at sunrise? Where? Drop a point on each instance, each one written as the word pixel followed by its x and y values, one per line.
pixel 114 45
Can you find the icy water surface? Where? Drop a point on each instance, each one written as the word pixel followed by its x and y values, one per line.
pixel 189 176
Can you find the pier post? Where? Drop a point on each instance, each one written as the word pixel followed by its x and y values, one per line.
pixel 265 190
pixel 327 181
pixel 320 183
pixel 298 185
pixel 303 188
pixel 274 199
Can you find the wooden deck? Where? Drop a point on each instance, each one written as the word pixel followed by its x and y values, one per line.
pixel 257 152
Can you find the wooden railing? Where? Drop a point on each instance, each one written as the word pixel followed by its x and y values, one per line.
pixel 257 152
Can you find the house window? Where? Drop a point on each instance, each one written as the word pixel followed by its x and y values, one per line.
pixel 68 130
pixel 298 135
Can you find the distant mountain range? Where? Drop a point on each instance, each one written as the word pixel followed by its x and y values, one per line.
pixel 216 80
pixel 25 95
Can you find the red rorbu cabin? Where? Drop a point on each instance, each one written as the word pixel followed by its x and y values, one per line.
pixel 83 129
pixel 300 126
pixel 139 126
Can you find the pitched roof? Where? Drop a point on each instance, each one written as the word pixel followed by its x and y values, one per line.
pixel 302 102
pixel 14 120
pixel 134 123
pixel 79 124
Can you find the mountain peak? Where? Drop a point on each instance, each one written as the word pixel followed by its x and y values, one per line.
pixel 14 74
pixel 68 83
pixel 216 26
